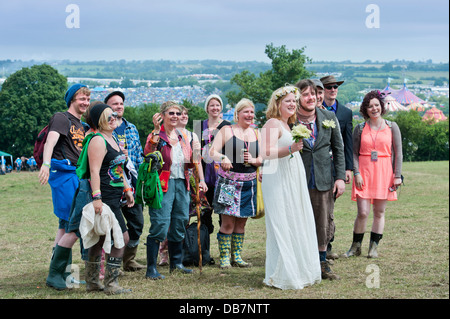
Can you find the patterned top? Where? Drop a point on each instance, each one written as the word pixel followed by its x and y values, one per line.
pixel 133 143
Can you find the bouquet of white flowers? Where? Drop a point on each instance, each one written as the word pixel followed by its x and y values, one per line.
pixel 299 132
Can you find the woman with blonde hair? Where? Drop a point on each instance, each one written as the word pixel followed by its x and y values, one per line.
pixel 292 260
pixel 106 165
pixel 236 148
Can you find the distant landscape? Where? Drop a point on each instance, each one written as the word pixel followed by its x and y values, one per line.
pixel 214 76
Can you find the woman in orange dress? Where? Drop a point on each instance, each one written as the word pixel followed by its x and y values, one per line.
pixel 377 166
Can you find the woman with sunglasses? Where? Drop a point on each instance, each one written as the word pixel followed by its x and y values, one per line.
pixel 106 165
pixel 192 139
pixel 170 220
pixel 236 147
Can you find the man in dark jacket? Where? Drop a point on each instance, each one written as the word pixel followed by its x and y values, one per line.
pixel 344 116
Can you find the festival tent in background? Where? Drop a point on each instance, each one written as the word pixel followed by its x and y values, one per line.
pixel 392 105
pixel 2 156
pixel 387 89
pixel 434 115
pixel 416 106
pixel 406 97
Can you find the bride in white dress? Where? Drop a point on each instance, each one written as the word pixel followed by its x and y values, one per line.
pixel 292 258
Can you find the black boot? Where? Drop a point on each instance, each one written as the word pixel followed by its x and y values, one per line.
pixel 176 257
pixel 152 256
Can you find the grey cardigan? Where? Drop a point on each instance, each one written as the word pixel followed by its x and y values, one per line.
pixel 397 152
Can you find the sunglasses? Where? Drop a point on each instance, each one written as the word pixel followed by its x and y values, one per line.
pixel 329 87
pixel 112 115
pixel 174 113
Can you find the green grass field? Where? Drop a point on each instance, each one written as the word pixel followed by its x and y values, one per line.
pixel 413 261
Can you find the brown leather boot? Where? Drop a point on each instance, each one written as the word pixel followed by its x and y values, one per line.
pixel 129 264
pixel 327 273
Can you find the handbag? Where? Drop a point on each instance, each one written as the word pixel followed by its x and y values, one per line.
pixel 259 199
pixel 226 193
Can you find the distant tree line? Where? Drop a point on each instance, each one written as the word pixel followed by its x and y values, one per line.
pixel 30 96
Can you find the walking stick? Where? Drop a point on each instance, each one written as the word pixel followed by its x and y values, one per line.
pixel 198 203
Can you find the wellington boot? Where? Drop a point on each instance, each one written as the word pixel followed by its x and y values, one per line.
pixel 355 250
pixel 373 250
pixel 176 257
pixel 152 256
pixel 93 274
pixel 237 242
pixel 129 263
pixel 111 274
pixel 224 241
pixel 58 265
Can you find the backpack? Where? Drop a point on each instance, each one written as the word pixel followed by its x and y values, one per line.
pixel 38 152
pixel 190 245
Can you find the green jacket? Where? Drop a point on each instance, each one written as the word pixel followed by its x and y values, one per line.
pixel 328 148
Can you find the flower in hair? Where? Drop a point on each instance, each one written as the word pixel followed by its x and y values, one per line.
pixel 285 90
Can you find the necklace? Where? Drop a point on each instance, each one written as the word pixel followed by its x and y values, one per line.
pixel 374 152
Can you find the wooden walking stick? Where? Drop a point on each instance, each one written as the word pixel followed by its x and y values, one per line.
pixel 198 204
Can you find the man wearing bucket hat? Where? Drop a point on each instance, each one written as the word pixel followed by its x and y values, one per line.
pixel 61 151
pixel 128 137
pixel 344 116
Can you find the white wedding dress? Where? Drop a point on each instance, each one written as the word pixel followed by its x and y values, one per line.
pixel 292 256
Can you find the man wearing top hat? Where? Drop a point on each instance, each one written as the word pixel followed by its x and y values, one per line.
pixel 344 116
pixel 128 137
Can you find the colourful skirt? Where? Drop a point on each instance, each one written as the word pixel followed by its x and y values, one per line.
pixel 243 204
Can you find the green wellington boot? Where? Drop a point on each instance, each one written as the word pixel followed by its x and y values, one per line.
pixel 56 277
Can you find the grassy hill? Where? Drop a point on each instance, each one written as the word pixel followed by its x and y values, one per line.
pixel 413 261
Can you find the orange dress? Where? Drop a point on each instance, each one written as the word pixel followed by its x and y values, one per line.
pixel 377 176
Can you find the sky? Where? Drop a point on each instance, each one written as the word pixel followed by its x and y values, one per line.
pixel 228 30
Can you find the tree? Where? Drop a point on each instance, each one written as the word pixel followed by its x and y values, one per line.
pixel 287 68
pixel 28 99
pixel 142 118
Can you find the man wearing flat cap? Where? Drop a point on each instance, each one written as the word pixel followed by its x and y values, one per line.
pixel 344 116
pixel 128 137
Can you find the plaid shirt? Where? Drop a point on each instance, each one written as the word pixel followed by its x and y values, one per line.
pixel 134 147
